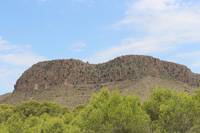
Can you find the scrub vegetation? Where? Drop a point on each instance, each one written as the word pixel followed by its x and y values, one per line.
pixel 107 112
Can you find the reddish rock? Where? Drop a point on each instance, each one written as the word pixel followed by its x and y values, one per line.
pixel 49 74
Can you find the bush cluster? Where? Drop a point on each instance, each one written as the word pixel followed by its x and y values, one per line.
pixel 165 111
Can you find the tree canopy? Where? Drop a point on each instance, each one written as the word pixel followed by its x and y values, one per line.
pixel 107 112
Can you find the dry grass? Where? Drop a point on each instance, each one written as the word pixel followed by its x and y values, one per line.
pixel 4 96
pixel 74 95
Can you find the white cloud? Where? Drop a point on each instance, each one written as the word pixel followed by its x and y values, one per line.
pixel 78 47
pixel 162 25
pixel 164 18
pixel 2 41
pixel 14 60
pixel 132 46
pixel 23 59
pixel 8 78
pixel 18 55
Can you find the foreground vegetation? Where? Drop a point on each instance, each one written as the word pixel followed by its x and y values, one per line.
pixel 107 112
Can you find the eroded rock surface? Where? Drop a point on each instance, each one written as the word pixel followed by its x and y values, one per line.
pixel 49 74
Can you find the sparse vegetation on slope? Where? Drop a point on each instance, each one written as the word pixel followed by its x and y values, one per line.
pixel 2 97
pixel 73 95
pixel 56 73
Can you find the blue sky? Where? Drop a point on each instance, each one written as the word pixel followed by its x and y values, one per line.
pixel 95 31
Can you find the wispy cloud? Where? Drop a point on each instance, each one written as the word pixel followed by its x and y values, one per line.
pixel 132 46
pixel 20 55
pixel 160 25
pixel 78 47
pixel 14 60
pixel 163 17
pixel 194 58
pixel 23 59
pixel 195 54
pixel 196 64
pixel 8 78
pixel 84 1
pixel 42 0
pixel 79 1
pixel 175 19
pixel 4 45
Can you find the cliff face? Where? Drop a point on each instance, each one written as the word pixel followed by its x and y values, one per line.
pixel 49 74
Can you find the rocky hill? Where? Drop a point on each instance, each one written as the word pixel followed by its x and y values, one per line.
pixel 66 78
pixel 64 72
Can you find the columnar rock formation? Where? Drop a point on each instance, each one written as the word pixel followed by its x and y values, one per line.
pixel 49 74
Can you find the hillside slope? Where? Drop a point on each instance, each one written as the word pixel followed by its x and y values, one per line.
pixel 71 82
pixel 2 97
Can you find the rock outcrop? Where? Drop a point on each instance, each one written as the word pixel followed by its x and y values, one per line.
pixel 49 74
